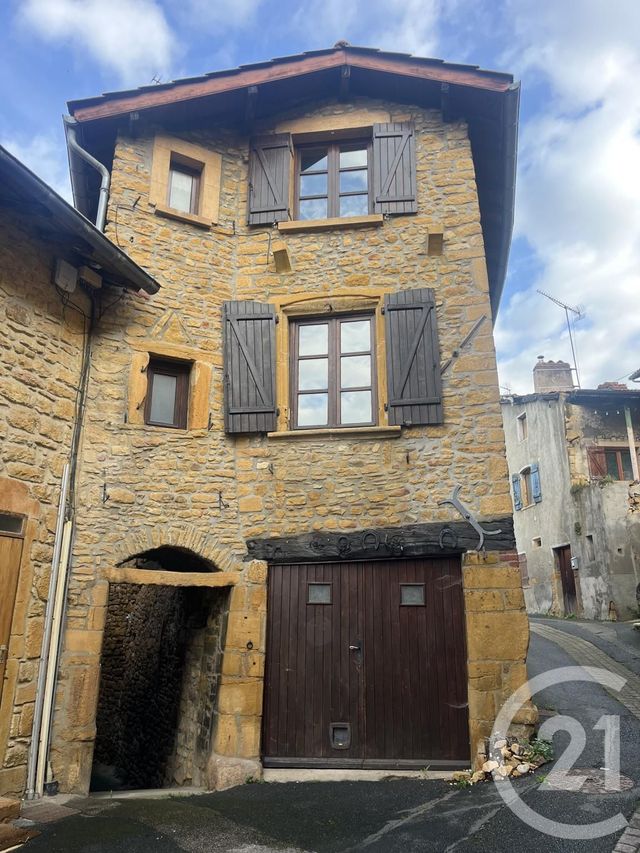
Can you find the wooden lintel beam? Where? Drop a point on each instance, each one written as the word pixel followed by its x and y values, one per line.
pixel 345 79
pixel 158 577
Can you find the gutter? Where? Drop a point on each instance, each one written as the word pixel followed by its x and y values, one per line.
pixel 105 177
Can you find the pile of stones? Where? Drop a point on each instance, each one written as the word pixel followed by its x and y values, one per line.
pixel 503 758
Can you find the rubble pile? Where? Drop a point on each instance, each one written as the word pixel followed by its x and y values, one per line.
pixel 503 758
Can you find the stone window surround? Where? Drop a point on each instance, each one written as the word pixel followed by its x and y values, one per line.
pixel 199 383
pixel 208 163
pixel 309 305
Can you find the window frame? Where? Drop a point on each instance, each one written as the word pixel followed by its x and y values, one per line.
pixel 333 172
pixel 193 170
pixel 618 458
pixel 334 354
pixel 181 370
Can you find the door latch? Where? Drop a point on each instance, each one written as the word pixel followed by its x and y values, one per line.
pixel 3 654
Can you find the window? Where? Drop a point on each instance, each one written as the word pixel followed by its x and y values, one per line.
pixel 333 180
pixel 521 424
pixel 591 552
pixel 184 187
pixel 166 403
pixel 618 462
pixel 319 593
pixel 333 375
pixel 412 594
pixel 537 542
pixel 525 487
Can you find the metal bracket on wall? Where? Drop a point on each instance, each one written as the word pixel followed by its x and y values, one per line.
pixel 447 364
pixel 464 512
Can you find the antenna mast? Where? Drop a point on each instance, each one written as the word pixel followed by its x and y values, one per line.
pixel 579 315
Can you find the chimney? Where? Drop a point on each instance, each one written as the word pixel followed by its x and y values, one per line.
pixel 552 376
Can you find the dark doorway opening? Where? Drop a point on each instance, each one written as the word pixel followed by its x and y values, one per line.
pixel 161 661
pixel 567 579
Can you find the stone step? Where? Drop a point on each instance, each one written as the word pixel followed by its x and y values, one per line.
pixel 9 809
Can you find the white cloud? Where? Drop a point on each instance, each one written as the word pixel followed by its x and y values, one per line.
pixel 45 156
pixel 578 190
pixel 215 16
pixel 130 37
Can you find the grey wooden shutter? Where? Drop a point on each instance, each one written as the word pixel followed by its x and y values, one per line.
pixel 394 168
pixel 414 384
pixel 269 175
pixel 536 488
pixel 517 491
pixel 249 367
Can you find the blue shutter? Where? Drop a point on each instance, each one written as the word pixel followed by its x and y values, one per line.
pixel 517 494
pixel 536 491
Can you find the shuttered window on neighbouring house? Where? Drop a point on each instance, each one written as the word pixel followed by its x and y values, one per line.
pixel 414 383
pixel 394 168
pixel 536 488
pixel 249 367
pixel 517 493
pixel 270 163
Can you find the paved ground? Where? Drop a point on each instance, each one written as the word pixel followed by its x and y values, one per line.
pixel 395 815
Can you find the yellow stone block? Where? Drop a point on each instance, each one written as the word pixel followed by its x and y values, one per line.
pixel 241 697
pixel 243 628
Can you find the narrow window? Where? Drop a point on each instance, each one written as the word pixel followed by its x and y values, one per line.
pixel 591 553
pixel 333 180
pixel 184 187
pixel 525 485
pixel 521 424
pixel 167 398
pixel 333 377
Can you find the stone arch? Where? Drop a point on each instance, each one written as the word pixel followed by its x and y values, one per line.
pixel 188 537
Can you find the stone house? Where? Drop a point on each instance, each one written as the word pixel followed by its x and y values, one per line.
pixel 272 566
pixel 54 265
pixel 573 463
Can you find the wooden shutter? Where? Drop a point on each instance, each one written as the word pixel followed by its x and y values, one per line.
pixel 394 168
pixel 536 489
pixel 597 462
pixel 517 491
pixel 270 162
pixel 413 358
pixel 249 367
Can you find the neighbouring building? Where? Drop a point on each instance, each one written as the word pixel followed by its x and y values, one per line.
pixel 573 462
pixel 271 565
pixel 54 266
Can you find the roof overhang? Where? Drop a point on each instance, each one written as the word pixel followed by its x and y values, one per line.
pixel 487 100
pixel 56 221
pixel 602 396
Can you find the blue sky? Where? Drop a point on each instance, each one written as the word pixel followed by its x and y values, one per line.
pixel 577 230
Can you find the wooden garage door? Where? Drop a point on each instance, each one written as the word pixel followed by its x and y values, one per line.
pixel 366 665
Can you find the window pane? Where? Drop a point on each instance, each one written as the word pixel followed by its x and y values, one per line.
pixel 355 407
pixel 314 160
pixel 163 398
pixel 319 593
pixel 180 187
pixel 412 594
pixel 313 185
pixel 313 373
pixel 355 336
pixel 353 182
pixel 313 209
pixel 353 158
pixel 627 471
pixel 354 205
pixel 313 340
pixel 612 463
pixel 355 371
pixel 312 409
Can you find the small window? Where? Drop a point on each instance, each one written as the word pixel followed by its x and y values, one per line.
pixel 537 542
pixel 333 180
pixel 11 524
pixel 521 424
pixel 167 397
pixel 412 594
pixel 184 187
pixel 319 593
pixel 591 552
pixel 333 370
pixel 525 487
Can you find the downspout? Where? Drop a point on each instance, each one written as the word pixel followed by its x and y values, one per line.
pixel 105 177
pixel 632 443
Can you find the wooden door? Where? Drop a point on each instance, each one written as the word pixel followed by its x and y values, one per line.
pixel 10 553
pixel 567 578
pixel 366 665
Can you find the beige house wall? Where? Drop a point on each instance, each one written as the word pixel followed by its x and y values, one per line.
pixel 210 492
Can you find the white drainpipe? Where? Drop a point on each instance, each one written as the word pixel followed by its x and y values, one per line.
pixel 105 177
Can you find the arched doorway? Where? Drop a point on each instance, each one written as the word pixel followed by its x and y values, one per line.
pixel 160 670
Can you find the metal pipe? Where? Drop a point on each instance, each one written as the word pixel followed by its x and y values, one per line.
pixel 105 177
pixel 632 443
pixel 46 637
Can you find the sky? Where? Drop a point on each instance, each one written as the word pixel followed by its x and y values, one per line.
pixel 577 229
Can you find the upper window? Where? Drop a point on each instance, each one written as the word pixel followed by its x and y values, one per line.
pixel 522 427
pixel 525 485
pixel 333 379
pixel 167 397
pixel 184 187
pixel 333 180
pixel 618 462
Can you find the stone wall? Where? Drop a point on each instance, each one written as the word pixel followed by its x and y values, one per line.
pixel 206 490
pixel 40 356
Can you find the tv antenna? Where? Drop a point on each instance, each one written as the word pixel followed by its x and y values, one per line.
pixel 579 315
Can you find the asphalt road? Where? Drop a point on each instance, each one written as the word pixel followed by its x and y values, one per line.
pixel 395 815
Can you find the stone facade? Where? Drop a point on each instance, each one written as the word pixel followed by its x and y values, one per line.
pixel 40 357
